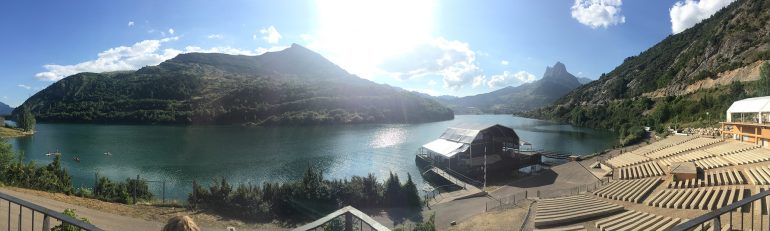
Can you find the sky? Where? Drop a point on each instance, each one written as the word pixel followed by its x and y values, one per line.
pixel 436 47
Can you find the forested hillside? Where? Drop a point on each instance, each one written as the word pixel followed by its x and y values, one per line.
pixel 293 86
pixel 689 78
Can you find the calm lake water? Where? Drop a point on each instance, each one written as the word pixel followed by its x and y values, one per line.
pixel 180 154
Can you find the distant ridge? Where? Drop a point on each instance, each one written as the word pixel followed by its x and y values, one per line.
pixel 293 86
pixel 5 109
pixel 556 82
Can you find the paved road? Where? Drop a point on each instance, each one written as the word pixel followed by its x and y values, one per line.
pixel 558 178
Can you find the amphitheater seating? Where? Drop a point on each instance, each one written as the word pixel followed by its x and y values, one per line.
pixel 661 144
pixel 683 147
pixel 706 198
pixel 628 190
pixel 566 228
pixel 635 220
pixel 626 159
pixel 749 156
pixel 712 178
pixel 648 169
pixel 711 163
pixel 566 210
pixel 729 147
pixel 685 157
pixel 759 175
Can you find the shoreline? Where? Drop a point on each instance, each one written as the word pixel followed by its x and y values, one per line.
pixel 13 133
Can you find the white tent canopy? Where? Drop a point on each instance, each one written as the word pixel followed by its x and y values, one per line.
pixel 445 147
pixel 751 105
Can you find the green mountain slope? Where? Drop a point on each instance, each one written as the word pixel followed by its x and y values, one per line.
pixel 293 86
pixel 688 78
pixel 556 82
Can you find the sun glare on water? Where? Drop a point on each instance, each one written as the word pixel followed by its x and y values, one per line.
pixel 361 34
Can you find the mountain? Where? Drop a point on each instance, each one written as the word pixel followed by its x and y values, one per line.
pixel 5 109
pixel 685 79
pixel 584 80
pixel 555 83
pixel 293 86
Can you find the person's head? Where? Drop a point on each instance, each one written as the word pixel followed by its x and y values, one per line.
pixel 181 223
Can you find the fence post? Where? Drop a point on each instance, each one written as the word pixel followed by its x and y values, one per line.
pixel 46 222
pixel 348 221
pixel 136 185
pixel 164 191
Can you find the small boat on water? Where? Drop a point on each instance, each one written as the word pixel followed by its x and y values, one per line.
pixel 77 159
pixel 57 153
pixel 108 154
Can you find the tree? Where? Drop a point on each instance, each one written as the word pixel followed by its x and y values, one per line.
pixel 6 157
pixel 411 195
pixel 764 80
pixel 26 119
pixel 392 194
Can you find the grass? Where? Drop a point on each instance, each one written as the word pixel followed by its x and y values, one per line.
pixel 9 132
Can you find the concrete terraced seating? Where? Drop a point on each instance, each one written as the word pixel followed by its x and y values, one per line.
pixel 683 147
pixel 706 198
pixel 685 157
pixel 635 220
pixel 648 169
pixel 730 147
pixel 628 190
pixel 565 228
pixel 709 226
pixel 626 159
pixel 572 209
pixel 748 156
pixel 661 144
pixel 711 163
pixel 759 175
pixel 712 178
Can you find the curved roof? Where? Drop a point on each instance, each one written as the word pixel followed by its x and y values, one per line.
pixel 756 104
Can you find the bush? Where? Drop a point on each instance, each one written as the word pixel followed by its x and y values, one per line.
pixel 68 227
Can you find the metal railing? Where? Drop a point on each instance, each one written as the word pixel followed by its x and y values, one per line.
pixel 45 216
pixel 352 219
pixel 512 200
pixel 714 219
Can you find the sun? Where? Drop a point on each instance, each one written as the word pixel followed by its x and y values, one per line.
pixel 359 35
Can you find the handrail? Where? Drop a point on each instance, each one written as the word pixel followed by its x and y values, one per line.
pixel 48 213
pixel 714 215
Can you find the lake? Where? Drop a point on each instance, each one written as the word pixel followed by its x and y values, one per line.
pixel 180 154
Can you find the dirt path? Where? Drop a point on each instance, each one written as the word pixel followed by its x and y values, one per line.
pixel 112 216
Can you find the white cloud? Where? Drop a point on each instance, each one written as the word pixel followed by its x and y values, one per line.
pixel 171 31
pixel 270 35
pixel 24 86
pixel 504 62
pixel 432 83
pixel 453 60
pixel 144 53
pixel 130 23
pixel 510 79
pixel 685 14
pixel 598 13
pixel 140 54
pixel 215 36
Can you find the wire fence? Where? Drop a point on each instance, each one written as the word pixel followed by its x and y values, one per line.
pixel 512 200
